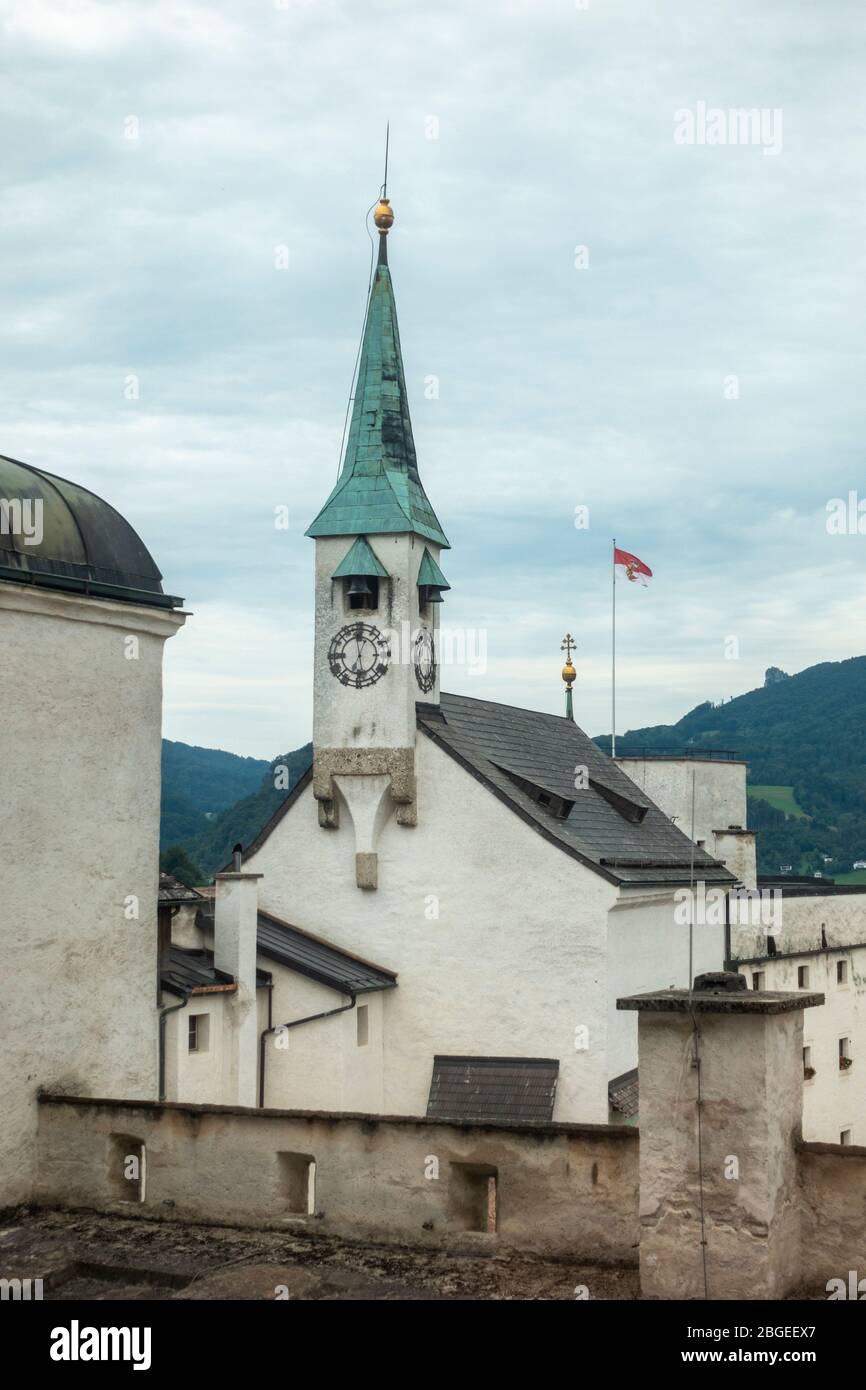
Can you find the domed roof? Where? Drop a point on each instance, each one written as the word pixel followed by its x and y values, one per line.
pixel 73 541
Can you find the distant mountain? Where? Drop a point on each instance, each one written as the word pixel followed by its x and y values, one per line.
pixel 210 841
pixel 198 783
pixel 804 737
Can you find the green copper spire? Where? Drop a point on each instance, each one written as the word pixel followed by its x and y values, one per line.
pixel 379 490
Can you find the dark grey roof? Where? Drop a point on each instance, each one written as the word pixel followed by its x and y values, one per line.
pixel 318 959
pixel 85 547
pixel 311 956
pixel 623 1093
pixel 610 825
pixel 194 969
pixel 520 1089
pixel 171 890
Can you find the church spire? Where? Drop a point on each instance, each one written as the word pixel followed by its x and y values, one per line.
pixel 379 490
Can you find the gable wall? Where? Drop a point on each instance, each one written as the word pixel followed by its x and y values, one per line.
pixel 514 962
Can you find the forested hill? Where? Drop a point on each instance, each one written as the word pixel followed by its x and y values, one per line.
pixel 211 800
pixel 804 737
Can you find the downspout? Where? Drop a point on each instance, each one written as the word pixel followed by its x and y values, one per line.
pixel 728 961
pixel 163 1015
pixel 294 1023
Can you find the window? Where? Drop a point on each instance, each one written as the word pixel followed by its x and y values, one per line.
pixel 844 1054
pixel 363 1025
pixel 808 1069
pixel 845 1136
pixel 841 972
pixel 298 1182
pixel 472 1197
pixel 802 977
pixel 127 1168
pixel 758 979
pixel 199 1032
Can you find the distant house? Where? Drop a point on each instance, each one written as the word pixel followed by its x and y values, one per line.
pixel 787 868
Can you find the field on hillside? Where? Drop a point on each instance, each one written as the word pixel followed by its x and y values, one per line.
pixel 780 797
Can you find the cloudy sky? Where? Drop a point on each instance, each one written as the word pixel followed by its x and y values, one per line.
pixel 694 376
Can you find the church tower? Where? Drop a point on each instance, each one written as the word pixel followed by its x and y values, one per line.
pixel 378 592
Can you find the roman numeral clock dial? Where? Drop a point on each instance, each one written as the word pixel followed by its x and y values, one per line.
pixel 359 655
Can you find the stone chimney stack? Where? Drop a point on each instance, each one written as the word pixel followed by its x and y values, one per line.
pixel 235 924
pixel 721 1087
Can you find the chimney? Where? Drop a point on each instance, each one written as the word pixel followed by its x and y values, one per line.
pixel 721 1094
pixel 235 925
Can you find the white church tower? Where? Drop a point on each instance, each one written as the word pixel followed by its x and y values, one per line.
pixel 378 591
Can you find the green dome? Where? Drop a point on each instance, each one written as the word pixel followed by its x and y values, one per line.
pixel 85 545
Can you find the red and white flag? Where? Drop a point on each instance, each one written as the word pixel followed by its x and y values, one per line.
pixel 631 568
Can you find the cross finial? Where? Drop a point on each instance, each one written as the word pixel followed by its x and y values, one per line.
pixel 568 646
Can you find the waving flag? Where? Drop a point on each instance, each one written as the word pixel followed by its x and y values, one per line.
pixel 636 572
pixel 632 568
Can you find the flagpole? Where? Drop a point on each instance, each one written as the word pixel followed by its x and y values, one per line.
pixel 613 653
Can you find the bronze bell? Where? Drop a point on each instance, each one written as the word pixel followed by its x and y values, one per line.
pixel 359 586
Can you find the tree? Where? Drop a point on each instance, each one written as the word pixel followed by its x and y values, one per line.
pixel 176 861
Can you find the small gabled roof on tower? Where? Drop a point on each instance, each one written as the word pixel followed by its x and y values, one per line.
pixel 359 560
pixel 429 572
pixel 379 490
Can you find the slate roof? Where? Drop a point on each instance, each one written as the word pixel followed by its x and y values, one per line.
pixel 610 825
pixel 379 489
pixel 312 956
pixel 623 1093
pixel 171 890
pixel 189 969
pixel 517 1089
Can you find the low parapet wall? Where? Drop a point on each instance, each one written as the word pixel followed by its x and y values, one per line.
pixel 832 1212
pixel 556 1189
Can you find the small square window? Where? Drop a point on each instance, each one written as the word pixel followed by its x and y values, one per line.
pixel 841 972
pixel 802 977
pixel 297 1174
pixel 363 1025
pixel 758 979
pixel 845 1136
pixel 199 1032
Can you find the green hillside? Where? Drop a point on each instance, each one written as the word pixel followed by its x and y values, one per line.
pixel 209 842
pixel 198 783
pixel 781 797
pixel 804 738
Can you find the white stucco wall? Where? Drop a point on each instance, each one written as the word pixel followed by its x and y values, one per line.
pixel 648 949
pixel 515 960
pixel 799 921
pixel 834 1099
pixel 720 791
pixel 79 840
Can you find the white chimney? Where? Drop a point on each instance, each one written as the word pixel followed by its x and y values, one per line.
pixel 235 924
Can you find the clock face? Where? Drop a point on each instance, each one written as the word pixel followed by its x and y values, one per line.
pixel 425 660
pixel 359 655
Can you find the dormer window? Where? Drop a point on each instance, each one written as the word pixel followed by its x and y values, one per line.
pixel 359 572
pixel 431 581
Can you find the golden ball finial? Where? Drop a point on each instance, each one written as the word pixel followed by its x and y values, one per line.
pixel 568 672
pixel 383 215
